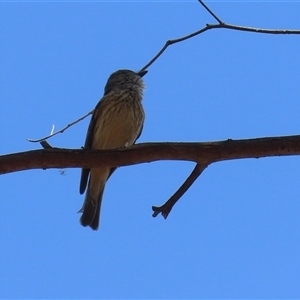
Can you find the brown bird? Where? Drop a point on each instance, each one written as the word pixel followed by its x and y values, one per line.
pixel 117 122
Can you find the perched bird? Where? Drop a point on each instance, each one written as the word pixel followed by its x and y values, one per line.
pixel 117 122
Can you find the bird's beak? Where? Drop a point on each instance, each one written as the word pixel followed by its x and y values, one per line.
pixel 142 73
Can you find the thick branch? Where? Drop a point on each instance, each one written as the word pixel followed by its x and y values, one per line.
pixel 204 153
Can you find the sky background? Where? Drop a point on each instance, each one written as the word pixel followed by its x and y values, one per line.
pixel 234 234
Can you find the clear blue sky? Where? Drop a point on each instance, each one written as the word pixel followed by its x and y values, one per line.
pixel 235 233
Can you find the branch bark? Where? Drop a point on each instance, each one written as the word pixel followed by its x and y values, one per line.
pixel 204 153
pixel 166 208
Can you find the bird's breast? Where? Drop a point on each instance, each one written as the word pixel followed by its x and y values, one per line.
pixel 119 124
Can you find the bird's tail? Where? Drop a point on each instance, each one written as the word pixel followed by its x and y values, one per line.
pixel 92 203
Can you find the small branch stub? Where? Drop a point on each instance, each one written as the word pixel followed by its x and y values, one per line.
pixel 166 208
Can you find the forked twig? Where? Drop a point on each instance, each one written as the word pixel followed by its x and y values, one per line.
pixel 167 207
pixel 220 24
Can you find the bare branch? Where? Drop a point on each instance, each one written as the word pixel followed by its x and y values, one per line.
pixel 167 207
pixel 171 42
pixel 216 26
pixel 253 29
pixel 201 153
pixel 60 131
pixel 205 153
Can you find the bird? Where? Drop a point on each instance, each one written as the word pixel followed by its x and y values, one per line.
pixel 117 122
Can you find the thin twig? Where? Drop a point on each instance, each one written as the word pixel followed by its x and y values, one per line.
pixel 60 131
pixel 171 42
pixel 167 207
pixel 253 29
pixel 210 11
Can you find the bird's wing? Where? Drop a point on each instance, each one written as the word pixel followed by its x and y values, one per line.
pixel 87 145
pixel 139 134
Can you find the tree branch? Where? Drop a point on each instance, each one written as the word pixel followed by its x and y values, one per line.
pixel 167 207
pixel 148 152
pixel 201 153
pixel 220 24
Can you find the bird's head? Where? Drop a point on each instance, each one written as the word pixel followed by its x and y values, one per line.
pixel 125 79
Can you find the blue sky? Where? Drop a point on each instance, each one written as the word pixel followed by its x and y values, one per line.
pixel 234 234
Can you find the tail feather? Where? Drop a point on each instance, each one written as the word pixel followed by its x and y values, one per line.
pixel 92 203
pixel 93 199
pixel 91 211
pixel 95 223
